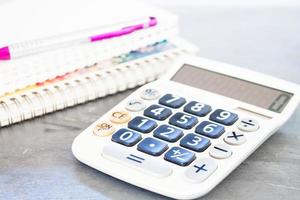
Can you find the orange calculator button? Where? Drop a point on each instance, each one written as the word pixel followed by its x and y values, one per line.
pixel 104 129
pixel 120 117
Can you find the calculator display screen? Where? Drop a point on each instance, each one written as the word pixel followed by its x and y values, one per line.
pixel 249 92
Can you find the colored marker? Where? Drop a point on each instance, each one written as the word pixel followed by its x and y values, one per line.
pixel 36 46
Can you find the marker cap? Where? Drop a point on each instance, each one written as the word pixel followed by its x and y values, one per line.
pixel 4 53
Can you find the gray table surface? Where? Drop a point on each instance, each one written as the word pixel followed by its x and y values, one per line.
pixel 35 156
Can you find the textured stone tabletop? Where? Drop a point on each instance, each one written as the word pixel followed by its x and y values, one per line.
pixel 35 156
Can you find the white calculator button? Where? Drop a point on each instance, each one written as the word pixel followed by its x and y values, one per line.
pixel 124 155
pixel 220 151
pixel 150 94
pixel 200 170
pixel 235 138
pixel 248 125
pixel 135 105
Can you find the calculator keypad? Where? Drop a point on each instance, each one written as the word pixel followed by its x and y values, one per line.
pixel 142 124
pixel 183 120
pixel 135 105
pixel 104 129
pixel 157 112
pixel 223 117
pixel 201 170
pixel 248 125
pixel 220 151
pixel 126 137
pixel 196 108
pixel 150 94
pixel 120 117
pixel 172 101
pixel 210 129
pixel 169 118
pixel 168 133
pixel 180 156
pixel 194 142
pixel 235 138
pixel 130 157
pixel 152 146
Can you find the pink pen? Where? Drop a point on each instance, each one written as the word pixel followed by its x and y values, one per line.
pixel 36 46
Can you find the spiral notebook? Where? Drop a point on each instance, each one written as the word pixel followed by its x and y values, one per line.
pixel 80 18
pixel 102 78
pixel 48 81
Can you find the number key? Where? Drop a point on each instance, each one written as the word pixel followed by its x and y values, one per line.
pixel 195 142
pixel 183 120
pixel 210 129
pixel 157 112
pixel 196 108
pixel 172 101
pixel 142 124
pixel 168 133
pixel 126 137
pixel 224 117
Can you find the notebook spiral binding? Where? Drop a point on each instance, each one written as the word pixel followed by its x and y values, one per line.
pixel 39 67
pixel 94 85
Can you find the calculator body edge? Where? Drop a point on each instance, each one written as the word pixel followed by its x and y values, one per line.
pixel 87 148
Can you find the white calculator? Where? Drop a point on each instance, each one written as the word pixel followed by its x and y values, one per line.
pixel 181 135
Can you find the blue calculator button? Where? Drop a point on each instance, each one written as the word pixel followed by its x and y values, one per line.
pixel 142 124
pixel 210 129
pixel 195 142
pixel 184 121
pixel 180 156
pixel 157 112
pixel 168 133
pixel 223 117
pixel 196 108
pixel 172 101
pixel 126 137
pixel 152 146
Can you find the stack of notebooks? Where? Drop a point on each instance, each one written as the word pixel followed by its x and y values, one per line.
pixel 34 83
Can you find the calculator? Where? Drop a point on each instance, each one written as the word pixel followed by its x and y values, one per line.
pixel 182 134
